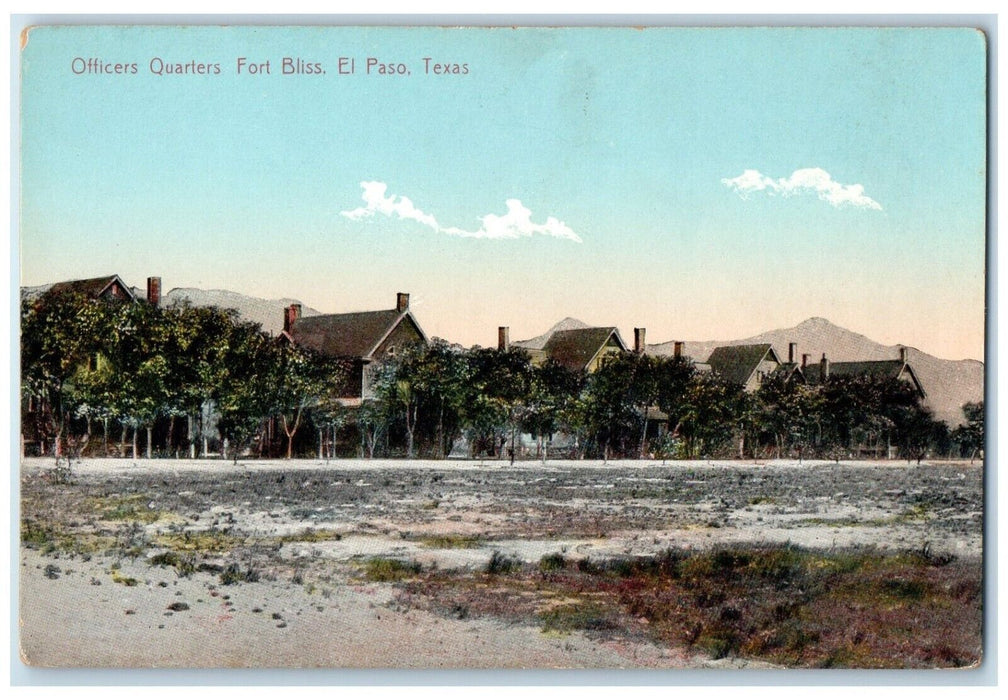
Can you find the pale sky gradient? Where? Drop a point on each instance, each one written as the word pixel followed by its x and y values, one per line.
pixel 703 183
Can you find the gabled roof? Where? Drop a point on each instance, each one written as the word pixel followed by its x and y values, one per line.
pixel 349 335
pixel 879 368
pixel 736 363
pixel 576 348
pixel 93 287
pixel 788 370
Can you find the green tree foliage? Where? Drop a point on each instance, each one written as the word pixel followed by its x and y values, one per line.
pixel 554 393
pixel 970 435
pixel 789 413
pixel 620 394
pixel 60 333
pixel 708 413
pixel 243 398
pixel 198 353
pixel 497 396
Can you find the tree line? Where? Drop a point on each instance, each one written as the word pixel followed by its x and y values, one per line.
pixel 132 379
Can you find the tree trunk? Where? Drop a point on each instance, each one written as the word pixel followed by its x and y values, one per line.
pixel 135 430
pixel 440 429
pixel 105 436
pixel 170 441
pixel 643 437
pixel 122 442
pixel 410 426
pixel 189 436
pixel 291 431
pixel 149 439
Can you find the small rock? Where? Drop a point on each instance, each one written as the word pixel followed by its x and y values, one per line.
pixel 52 571
pixel 281 624
pixel 178 606
pixel 131 612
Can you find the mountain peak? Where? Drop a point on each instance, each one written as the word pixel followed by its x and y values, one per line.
pixel 816 322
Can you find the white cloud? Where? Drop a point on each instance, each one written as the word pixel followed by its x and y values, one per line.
pixel 805 180
pixel 376 201
pixel 516 223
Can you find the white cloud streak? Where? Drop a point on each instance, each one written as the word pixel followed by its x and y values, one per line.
pixel 516 223
pixel 805 180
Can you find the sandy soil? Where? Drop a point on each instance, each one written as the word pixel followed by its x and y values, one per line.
pixel 311 607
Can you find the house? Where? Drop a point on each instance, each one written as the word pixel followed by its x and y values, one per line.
pixel 816 373
pixel 365 338
pixel 577 349
pixel 745 365
pixel 108 288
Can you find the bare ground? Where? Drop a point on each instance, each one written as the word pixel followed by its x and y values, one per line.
pixel 293 540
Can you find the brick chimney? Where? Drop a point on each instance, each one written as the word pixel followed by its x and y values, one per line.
pixel 804 360
pixel 792 352
pixel 154 291
pixel 677 348
pixel 903 354
pixel 638 340
pixel 503 338
pixel 824 367
pixel 402 302
pixel 291 314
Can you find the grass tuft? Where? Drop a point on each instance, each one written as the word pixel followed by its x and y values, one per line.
pixel 382 569
pixel 500 564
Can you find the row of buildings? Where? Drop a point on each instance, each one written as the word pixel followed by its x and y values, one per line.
pixel 369 338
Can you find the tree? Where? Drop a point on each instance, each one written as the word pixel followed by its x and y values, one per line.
pixel 440 377
pixel 294 381
pixel 242 397
pixel 707 414
pixel 919 432
pixel 790 412
pixel 199 345
pixel 498 388
pixel 970 435
pixel 140 371
pixel 554 390
pixel 61 332
pixel 617 397
pixel 372 421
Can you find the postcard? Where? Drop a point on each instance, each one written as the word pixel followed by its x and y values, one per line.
pixel 379 347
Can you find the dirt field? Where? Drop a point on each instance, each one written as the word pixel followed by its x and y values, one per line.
pixel 208 564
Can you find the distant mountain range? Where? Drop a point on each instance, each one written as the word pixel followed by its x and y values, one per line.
pixel 268 313
pixel 948 383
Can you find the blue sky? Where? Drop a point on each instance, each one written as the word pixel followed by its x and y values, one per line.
pixel 704 183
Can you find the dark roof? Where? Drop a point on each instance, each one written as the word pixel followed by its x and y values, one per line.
pixel 788 370
pixel 879 368
pixel 736 363
pixel 347 335
pixel 93 287
pixel 575 348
